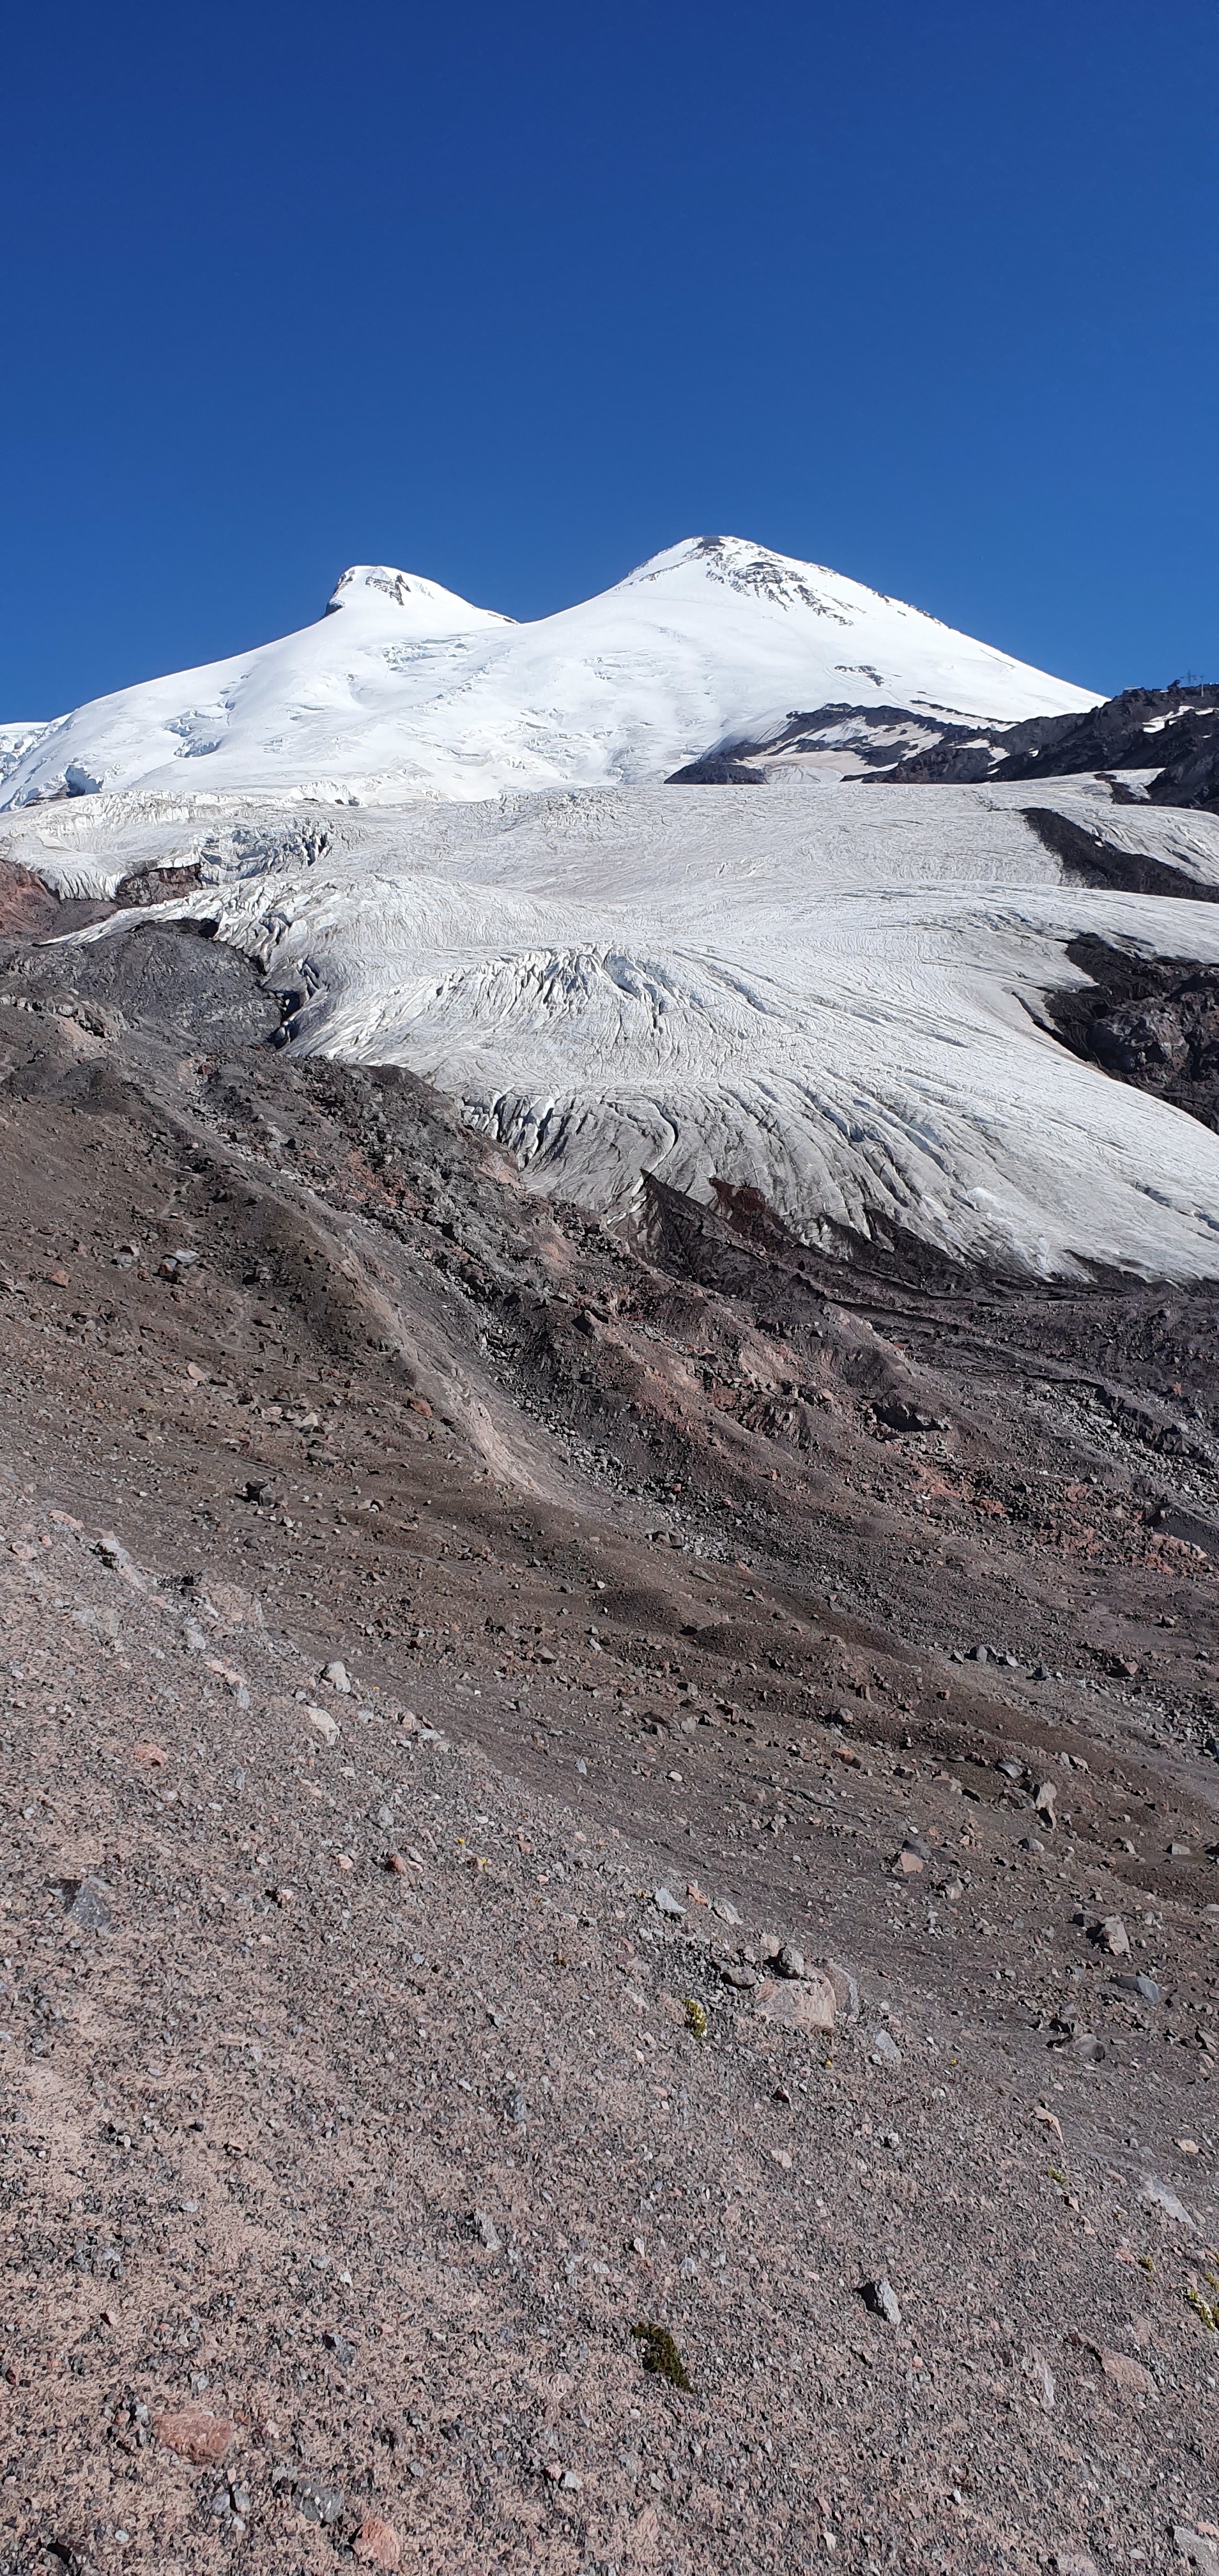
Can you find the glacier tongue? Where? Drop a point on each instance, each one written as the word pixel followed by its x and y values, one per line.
pixel 829 994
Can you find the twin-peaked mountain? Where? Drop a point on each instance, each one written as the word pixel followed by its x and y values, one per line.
pixel 402 689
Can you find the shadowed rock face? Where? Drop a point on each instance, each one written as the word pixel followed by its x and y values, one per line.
pixel 965 753
pixel 1166 1041
pixel 1173 731
pixel 1153 1023
pixel 717 772
pixel 1091 857
pixel 1191 775
pixel 1145 729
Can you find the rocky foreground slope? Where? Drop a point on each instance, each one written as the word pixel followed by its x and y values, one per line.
pixel 750 1880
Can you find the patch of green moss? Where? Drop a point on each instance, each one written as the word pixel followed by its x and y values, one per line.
pixel 660 2355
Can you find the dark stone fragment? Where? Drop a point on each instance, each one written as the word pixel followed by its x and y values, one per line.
pixel 1139 1985
pixel 317 2502
pixel 87 1901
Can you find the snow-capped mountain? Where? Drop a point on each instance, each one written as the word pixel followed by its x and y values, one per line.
pixel 446 841
pixel 401 689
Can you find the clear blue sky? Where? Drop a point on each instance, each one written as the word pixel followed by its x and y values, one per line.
pixel 515 296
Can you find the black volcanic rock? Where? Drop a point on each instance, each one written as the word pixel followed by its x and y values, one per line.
pixel 1090 857
pixel 1151 1022
pixel 1191 774
pixel 968 752
pixel 716 771
pixel 948 763
pixel 1174 731
pixel 1140 729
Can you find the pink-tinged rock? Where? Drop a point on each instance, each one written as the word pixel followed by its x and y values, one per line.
pixel 846 1989
pixel 804 2005
pixel 1197 2550
pixel 1127 2374
pixel 644 2542
pixel 377 2543
pixel 195 2434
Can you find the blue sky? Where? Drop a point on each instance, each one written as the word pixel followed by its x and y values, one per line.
pixel 514 297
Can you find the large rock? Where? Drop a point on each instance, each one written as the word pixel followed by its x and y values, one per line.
pixel 195 2434
pixel 806 2004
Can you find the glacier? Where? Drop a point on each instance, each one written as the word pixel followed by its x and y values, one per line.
pixel 444 841
pixel 830 993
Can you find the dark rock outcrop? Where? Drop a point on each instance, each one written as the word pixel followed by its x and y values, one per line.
pixel 717 770
pixel 1091 858
pixel 1150 1021
pixel 1173 730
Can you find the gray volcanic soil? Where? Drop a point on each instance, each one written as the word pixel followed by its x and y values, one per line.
pixel 651 1566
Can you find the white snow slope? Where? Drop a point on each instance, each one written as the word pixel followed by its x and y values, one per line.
pixel 403 690
pixel 15 741
pixel 827 992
